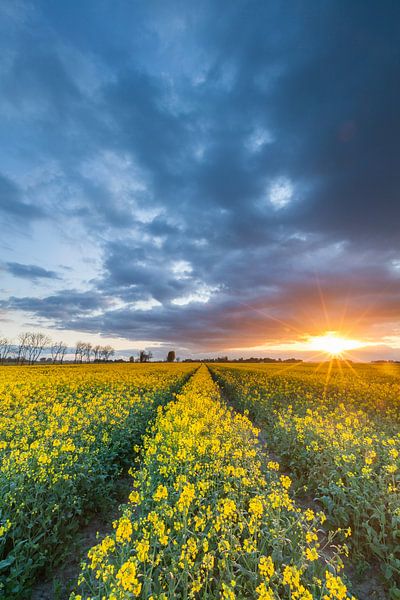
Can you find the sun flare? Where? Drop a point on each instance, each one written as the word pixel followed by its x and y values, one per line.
pixel 333 344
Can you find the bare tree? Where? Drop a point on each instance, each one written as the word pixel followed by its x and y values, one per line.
pixel 23 345
pixel 5 348
pixel 84 350
pixel 107 352
pixel 37 342
pixel 41 341
pixel 58 350
pixel 30 347
pixel 87 351
pixel 96 351
pixel 63 349
pixel 79 351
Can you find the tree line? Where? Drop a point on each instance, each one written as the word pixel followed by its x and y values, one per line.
pixel 85 351
pixel 30 346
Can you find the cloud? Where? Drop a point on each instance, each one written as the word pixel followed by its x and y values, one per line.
pixel 287 310
pixel 12 205
pixel 59 307
pixel 228 172
pixel 281 192
pixel 32 272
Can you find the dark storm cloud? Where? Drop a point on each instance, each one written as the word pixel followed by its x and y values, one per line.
pixel 32 272
pixel 58 307
pixel 230 166
pixel 287 310
pixel 12 204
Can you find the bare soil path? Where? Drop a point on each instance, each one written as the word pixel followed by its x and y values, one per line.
pixel 59 584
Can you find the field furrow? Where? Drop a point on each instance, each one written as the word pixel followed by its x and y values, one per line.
pixel 206 517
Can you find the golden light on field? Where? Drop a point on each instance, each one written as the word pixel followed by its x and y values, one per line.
pixel 333 344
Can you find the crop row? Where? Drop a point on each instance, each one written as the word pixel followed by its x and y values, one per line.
pixel 65 433
pixel 344 448
pixel 207 518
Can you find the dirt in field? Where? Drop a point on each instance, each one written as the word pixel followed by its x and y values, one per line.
pixel 367 586
pixel 61 582
pixel 65 576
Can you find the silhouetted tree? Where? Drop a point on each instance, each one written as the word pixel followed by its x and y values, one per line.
pixel 171 356
pixel 79 351
pixel 107 352
pixel 23 345
pixel 5 348
pixel 87 351
pixel 96 351
pixel 30 346
pixel 58 350
pixel 145 356
pixel 37 343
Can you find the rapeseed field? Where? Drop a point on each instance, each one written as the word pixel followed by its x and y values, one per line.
pixel 247 481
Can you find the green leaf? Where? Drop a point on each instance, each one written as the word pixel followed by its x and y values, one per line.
pixel 4 564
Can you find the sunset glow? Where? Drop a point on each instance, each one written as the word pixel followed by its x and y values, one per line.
pixel 171 195
pixel 199 286
pixel 333 344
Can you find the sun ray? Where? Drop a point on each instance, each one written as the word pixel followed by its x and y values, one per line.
pixel 357 375
pixel 323 303
pixel 328 376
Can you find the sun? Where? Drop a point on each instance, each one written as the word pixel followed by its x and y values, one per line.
pixel 332 343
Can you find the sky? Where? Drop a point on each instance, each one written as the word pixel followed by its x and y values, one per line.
pixel 213 177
